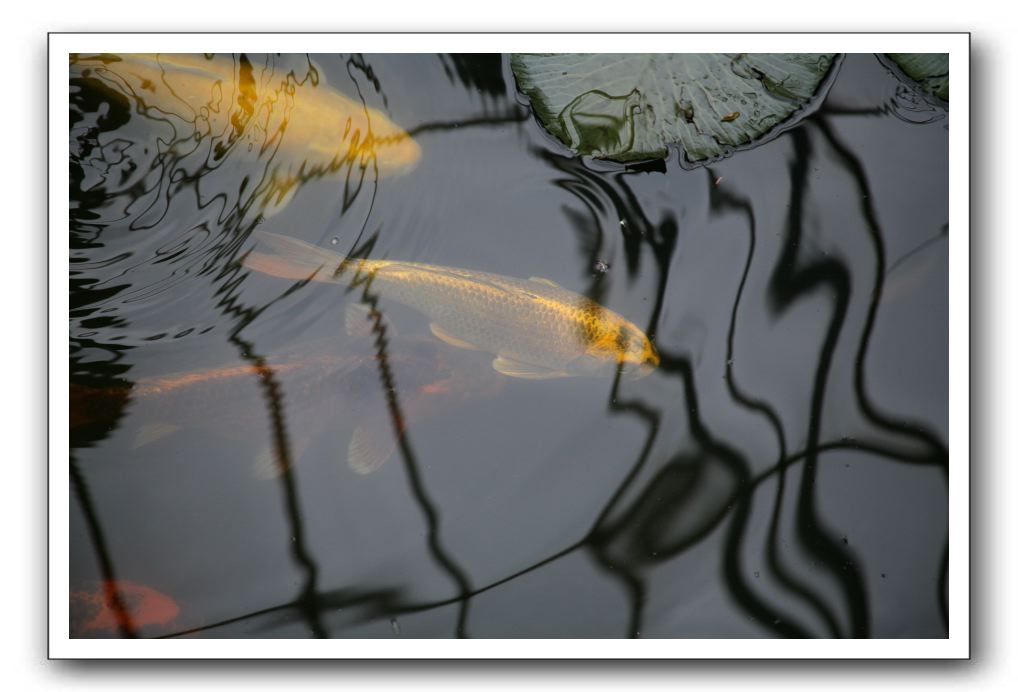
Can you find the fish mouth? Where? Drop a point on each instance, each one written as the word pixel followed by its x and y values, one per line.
pixel 638 371
pixel 643 370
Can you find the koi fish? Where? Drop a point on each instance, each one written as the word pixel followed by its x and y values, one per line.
pixel 319 389
pixel 535 328
pixel 111 605
pixel 307 128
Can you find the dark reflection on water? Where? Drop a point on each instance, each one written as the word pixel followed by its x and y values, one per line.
pixel 782 473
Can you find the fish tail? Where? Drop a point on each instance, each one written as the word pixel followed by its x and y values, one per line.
pixel 294 259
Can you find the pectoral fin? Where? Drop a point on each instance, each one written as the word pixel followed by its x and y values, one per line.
pixel 547 282
pixel 526 371
pixel 268 464
pixel 370 447
pixel 150 432
pixel 450 339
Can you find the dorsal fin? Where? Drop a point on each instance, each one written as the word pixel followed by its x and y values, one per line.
pixel 547 282
pixel 489 280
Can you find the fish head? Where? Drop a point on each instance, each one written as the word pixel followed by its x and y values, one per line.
pixel 620 346
pixel 637 355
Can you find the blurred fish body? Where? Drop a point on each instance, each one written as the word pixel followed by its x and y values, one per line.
pixel 318 389
pixel 535 328
pixel 107 607
pixel 307 128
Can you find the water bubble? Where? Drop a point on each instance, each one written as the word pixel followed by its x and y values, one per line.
pixel 601 267
pixel 335 240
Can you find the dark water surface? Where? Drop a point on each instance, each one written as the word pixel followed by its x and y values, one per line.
pixel 783 473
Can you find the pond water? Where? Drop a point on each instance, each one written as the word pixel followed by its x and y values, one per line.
pixel 781 473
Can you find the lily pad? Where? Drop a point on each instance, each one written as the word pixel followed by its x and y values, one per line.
pixel 630 107
pixel 928 70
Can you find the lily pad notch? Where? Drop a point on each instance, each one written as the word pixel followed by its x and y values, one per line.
pixel 634 107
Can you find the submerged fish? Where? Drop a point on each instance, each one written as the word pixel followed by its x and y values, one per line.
pixel 105 608
pixel 307 128
pixel 319 390
pixel 535 328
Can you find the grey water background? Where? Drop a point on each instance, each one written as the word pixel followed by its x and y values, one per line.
pixel 782 474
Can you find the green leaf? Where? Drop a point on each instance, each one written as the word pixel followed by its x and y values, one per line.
pixel 928 70
pixel 628 107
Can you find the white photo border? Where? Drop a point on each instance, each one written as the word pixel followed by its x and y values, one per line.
pixel 956 646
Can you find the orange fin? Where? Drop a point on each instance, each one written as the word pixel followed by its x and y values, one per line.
pixel 450 339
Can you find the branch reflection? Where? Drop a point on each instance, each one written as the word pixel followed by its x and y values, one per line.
pixel 668 500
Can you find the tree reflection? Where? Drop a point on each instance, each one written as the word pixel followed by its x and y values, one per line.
pixel 668 501
pixel 723 201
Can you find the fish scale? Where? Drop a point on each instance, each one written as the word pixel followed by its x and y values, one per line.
pixel 535 328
